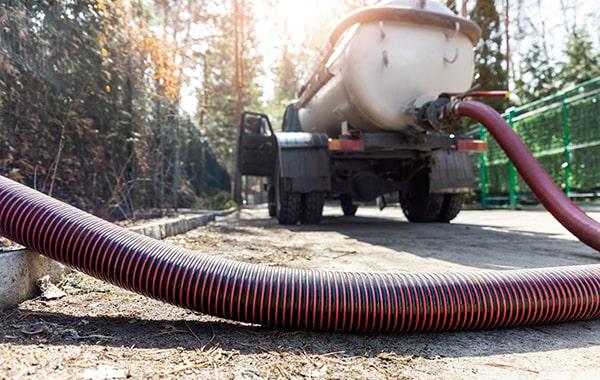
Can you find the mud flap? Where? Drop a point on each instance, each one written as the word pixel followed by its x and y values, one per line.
pixel 451 172
pixel 304 162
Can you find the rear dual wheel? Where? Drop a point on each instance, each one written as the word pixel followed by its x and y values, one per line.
pixel 312 207
pixel 288 205
pixel 420 206
pixel 272 202
pixel 293 207
pixel 451 207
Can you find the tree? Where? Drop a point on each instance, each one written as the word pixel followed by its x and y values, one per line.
pixel 79 87
pixel 582 63
pixel 287 77
pixel 220 92
pixel 537 74
pixel 490 61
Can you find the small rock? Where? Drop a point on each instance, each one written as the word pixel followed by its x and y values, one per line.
pixel 104 372
pixel 35 329
pixel 48 289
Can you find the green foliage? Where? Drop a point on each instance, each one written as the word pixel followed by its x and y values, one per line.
pixel 542 128
pixel 218 116
pixel 217 200
pixel 490 61
pixel 537 75
pixel 89 107
pixel 287 77
pixel 583 62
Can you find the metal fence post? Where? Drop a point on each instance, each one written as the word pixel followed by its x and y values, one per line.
pixel 512 172
pixel 483 177
pixel 566 144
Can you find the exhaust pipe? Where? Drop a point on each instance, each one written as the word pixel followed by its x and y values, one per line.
pixel 318 300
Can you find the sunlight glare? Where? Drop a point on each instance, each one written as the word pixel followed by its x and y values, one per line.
pixel 299 16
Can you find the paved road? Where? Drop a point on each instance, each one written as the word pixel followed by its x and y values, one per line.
pixel 145 338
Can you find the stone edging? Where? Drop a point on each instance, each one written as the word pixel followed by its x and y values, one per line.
pixel 20 269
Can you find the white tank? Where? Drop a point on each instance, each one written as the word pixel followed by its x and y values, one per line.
pixel 380 71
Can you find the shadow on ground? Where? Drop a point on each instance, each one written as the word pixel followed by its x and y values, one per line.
pixel 193 334
pixel 473 245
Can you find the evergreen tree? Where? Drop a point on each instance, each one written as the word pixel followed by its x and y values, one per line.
pixel 221 119
pixel 287 77
pixel 582 63
pixel 490 61
pixel 537 77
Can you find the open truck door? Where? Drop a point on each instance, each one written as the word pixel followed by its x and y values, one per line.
pixel 257 150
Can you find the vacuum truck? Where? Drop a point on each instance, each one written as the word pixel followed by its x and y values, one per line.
pixel 358 131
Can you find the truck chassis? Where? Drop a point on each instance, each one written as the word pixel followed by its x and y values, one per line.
pixel 429 171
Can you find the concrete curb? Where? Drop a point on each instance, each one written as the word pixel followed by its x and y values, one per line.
pixel 20 269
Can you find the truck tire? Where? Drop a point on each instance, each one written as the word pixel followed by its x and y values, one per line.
pixel 348 207
pixel 272 201
pixel 272 211
pixel 288 206
pixel 312 207
pixel 418 205
pixel 451 207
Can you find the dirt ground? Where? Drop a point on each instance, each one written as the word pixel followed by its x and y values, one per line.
pixel 99 331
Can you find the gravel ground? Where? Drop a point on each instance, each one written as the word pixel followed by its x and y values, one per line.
pixel 99 331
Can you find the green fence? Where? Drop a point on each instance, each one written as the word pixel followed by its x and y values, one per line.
pixel 563 132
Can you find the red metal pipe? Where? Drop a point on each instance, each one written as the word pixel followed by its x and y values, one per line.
pixel 549 194
pixel 489 94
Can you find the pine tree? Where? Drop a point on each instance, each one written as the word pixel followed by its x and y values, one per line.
pixel 537 77
pixel 220 88
pixel 490 61
pixel 583 63
pixel 288 81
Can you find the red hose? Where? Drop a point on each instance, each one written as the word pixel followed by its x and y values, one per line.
pixel 542 185
pixel 316 300
pixel 293 298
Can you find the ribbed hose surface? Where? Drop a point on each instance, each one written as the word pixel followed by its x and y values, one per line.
pixel 293 298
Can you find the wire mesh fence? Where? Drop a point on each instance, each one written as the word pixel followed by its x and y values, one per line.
pixel 563 133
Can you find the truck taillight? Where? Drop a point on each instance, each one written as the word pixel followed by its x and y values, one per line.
pixel 346 145
pixel 472 146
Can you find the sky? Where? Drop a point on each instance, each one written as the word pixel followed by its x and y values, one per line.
pixel 300 18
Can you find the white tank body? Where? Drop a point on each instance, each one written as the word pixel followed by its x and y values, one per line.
pixel 381 71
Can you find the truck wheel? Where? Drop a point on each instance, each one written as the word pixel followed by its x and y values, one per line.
pixel 288 208
pixel 272 211
pixel 451 207
pixel 348 207
pixel 272 201
pixel 312 207
pixel 288 204
pixel 418 205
